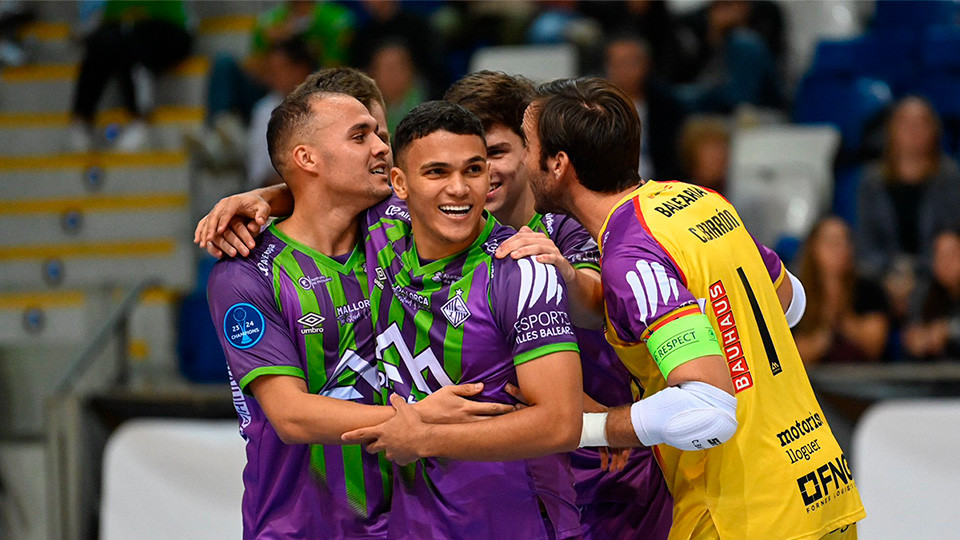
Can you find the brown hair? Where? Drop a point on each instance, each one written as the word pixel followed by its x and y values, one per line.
pixel 597 126
pixel 811 274
pixel 494 97
pixel 933 156
pixel 293 114
pixel 696 131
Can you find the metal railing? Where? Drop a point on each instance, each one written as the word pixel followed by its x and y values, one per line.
pixel 69 513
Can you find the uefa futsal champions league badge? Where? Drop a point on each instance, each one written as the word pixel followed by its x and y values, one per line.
pixel 243 325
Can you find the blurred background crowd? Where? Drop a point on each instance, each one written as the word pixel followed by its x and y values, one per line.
pixel 876 243
pixel 832 125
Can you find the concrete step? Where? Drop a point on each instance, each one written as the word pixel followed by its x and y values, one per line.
pixel 45 133
pixel 66 221
pixel 50 87
pixel 57 42
pixel 79 175
pixel 95 264
pixel 50 317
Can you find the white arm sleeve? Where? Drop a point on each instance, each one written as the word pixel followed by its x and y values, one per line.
pixel 798 304
pixel 692 416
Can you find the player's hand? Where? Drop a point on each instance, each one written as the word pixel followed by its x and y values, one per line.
pixel 528 243
pixel 613 459
pixel 516 394
pixel 450 405
pixel 232 225
pixel 399 438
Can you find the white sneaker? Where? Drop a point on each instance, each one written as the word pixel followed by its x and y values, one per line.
pixel 134 137
pixel 79 138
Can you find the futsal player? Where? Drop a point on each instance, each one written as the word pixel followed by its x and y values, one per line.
pixel 700 313
pixel 447 312
pixel 294 322
pixel 629 502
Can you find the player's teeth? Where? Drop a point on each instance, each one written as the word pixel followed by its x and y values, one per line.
pixel 455 208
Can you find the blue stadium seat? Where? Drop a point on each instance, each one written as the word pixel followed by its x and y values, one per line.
pixel 943 90
pixel 889 56
pixel 847 103
pixel 940 49
pixel 893 14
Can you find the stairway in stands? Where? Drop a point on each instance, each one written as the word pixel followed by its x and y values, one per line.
pixel 80 229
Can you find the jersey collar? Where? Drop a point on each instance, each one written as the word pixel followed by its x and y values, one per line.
pixel 621 202
pixel 325 260
pixel 412 260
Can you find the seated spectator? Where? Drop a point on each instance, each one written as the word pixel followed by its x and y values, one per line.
pixel 935 329
pixel 136 41
pixel 325 29
pixel 289 63
pixel 727 63
pixel 845 319
pixel 388 20
pixel 705 152
pixel 392 67
pixel 649 20
pixel 627 64
pixel 906 196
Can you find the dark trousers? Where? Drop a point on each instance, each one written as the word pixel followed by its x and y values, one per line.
pixel 113 50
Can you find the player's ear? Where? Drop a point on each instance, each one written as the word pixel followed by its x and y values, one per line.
pixel 561 164
pixel 304 157
pixel 399 181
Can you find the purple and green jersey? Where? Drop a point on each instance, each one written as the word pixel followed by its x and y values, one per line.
pixel 634 502
pixel 290 310
pixel 468 318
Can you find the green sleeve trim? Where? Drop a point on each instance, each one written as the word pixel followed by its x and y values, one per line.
pixel 270 370
pixel 682 340
pixel 592 266
pixel 543 351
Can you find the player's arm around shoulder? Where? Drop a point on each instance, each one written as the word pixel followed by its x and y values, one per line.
pixel 586 296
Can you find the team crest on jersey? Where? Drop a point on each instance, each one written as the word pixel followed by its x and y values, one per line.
pixel 311 323
pixel 455 310
pixel 490 246
pixel 308 283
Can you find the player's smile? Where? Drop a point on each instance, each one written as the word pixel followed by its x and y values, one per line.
pixel 445 184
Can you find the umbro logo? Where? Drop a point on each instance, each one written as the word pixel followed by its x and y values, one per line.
pixel 455 310
pixel 311 323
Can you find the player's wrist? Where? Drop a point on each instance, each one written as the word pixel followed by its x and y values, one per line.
pixel 594 430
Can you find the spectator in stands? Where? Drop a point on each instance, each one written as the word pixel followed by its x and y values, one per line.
pixel 388 20
pixel 646 19
pixel 627 64
pixel 845 319
pixel 325 28
pixel 908 195
pixel 395 72
pixel 135 41
pixel 705 151
pixel 724 62
pixel 935 329
pixel 289 63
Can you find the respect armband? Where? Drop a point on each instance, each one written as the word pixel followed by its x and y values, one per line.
pixel 682 340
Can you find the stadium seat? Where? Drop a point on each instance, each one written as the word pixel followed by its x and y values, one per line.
pixel 172 479
pixel 898 14
pixel 781 179
pixel 888 56
pixel 906 469
pixel 536 62
pixel 847 103
pixel 810 22
pixel 940 49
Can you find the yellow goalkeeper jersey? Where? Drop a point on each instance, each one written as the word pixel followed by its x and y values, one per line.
pixel 671 249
